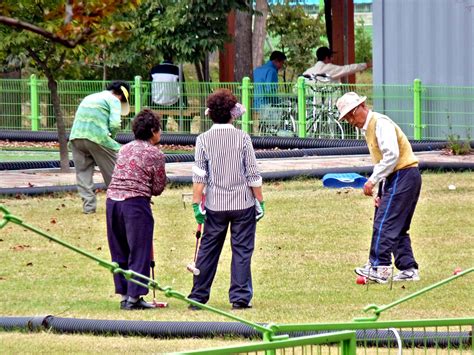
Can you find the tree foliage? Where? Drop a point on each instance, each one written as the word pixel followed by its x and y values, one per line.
pixel 298 33
pixel 63 37
pixel 55 34
pixel 186 29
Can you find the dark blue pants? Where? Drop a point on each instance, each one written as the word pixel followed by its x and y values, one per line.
pixel 130 234
pixel 393 218
pixel 242 231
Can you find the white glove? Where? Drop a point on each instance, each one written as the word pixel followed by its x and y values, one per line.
pixel 260 210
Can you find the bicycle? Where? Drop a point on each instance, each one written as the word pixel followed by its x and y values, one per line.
pixel 278 119
pixel 322 114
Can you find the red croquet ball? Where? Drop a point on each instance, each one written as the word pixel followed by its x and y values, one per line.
pixel 457 271
pixel 361 280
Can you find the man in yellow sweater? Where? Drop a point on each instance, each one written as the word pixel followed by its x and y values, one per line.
pixel 396 172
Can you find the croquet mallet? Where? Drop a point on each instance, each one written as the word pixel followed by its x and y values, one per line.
pixel 152 267
pixel 192 266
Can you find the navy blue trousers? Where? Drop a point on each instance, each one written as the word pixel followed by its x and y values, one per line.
pixel 130 234
pixel 392 220
pixel 242 230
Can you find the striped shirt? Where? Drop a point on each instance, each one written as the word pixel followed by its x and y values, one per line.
pixel 225 162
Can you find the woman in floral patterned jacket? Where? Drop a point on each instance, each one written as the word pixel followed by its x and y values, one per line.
pixel 139 174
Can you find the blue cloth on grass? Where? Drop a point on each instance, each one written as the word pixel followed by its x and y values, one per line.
pixel 342 180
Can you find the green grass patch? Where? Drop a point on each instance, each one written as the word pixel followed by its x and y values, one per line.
pixel 307 246
pixel 29 155
pixel 33 154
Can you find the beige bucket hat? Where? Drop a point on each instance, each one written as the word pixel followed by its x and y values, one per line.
pixel 347 102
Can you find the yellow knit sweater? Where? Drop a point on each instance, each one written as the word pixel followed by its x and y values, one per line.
pixel 406 159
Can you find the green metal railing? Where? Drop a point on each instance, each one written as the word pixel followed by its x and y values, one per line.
pixel 423 112
pixel 341 338
pixel 343 343
pixel 426 336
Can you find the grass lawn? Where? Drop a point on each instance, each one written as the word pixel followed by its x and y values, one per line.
pixel 307 246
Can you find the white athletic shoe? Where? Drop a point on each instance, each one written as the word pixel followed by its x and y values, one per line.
pixel 364 270
pixel 411 274
pixel 379 274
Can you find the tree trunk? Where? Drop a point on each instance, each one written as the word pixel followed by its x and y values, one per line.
pixel 243 45
pixel 197 67
pixel 205 68
pixel 63 152
pixel 259 33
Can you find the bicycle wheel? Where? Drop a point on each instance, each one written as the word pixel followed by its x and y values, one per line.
pixel 327 126
pixel 350 131
pixel 312 127
pixel 331 128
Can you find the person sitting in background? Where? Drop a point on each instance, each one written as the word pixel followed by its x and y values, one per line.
pixel 138 175
pixel 335 72
pixel 166 90
pixel 92 138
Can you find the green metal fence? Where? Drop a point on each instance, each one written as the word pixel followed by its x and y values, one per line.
pixel 303 109
pixel 428 336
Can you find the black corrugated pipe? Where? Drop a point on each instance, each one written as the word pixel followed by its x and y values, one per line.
pixel 166 139
pixel 295 142
pixel 51 164
pixel 268 154
pixel 151 328
pixel 190 139
pixel 369 337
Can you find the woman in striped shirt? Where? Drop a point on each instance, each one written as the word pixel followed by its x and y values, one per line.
pixel 225 165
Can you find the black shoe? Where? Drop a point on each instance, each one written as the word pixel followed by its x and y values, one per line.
pixel 140 304
pixel 123 304
pixel 241 305
pixel 193 307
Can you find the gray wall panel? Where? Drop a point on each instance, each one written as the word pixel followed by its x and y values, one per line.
pixel 432 40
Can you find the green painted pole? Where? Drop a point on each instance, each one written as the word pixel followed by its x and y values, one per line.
pixel 301 85
pixel 34 103
pixel 138 94
pixel 417 125
pixel 349 346
pixel 267 337
pixel 246 103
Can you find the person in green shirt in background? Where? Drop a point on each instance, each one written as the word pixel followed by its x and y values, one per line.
pixel 92 138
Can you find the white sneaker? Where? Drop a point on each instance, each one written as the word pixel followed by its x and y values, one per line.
pixel 379 274
pixel 364 270
pixel 411 274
